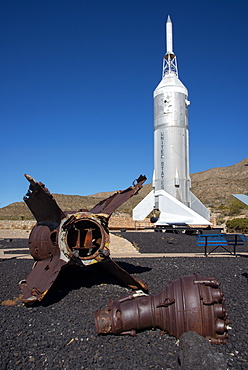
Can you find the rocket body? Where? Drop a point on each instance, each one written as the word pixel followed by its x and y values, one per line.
pixel 171 139
pixel 171 193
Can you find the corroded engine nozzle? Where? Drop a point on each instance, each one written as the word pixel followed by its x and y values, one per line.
pixel 190 303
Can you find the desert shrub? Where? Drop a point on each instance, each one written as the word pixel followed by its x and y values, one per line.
pixel 220 220
pixel 237 225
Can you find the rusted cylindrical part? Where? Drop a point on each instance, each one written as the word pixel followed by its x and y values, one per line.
pixel 190 303
pixel 43 242
pixel 85 237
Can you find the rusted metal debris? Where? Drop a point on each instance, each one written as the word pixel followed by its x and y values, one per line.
pixel 81 237
pixel 190 303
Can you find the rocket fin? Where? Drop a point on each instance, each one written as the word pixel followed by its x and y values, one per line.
pixel 242 198
pixel 175 212
pixel 144 207
pixel 198 207
pixel 109 205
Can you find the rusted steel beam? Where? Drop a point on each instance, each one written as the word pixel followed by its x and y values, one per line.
pixel 190 303
pixel 60 237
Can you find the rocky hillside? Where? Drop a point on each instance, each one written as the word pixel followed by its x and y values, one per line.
pixel 213 187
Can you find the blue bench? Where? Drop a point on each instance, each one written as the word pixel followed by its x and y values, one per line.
pixel 215 241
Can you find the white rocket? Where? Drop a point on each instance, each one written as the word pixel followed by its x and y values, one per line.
pixel 171 193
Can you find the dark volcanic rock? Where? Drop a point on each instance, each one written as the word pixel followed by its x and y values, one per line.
pixel 198 354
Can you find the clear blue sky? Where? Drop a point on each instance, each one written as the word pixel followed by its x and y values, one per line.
pixel 77 81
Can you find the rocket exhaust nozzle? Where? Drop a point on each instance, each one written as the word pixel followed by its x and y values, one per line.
pixel 190 303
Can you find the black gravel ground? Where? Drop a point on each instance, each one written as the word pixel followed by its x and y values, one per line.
pixel 60 332
pixel 156 242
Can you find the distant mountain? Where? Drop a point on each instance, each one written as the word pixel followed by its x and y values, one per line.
pixel 213 187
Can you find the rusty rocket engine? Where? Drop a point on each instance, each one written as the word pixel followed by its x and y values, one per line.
pixel 79 237
pixel 190 303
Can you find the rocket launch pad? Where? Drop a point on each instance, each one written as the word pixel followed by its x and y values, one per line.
pixel 171 193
